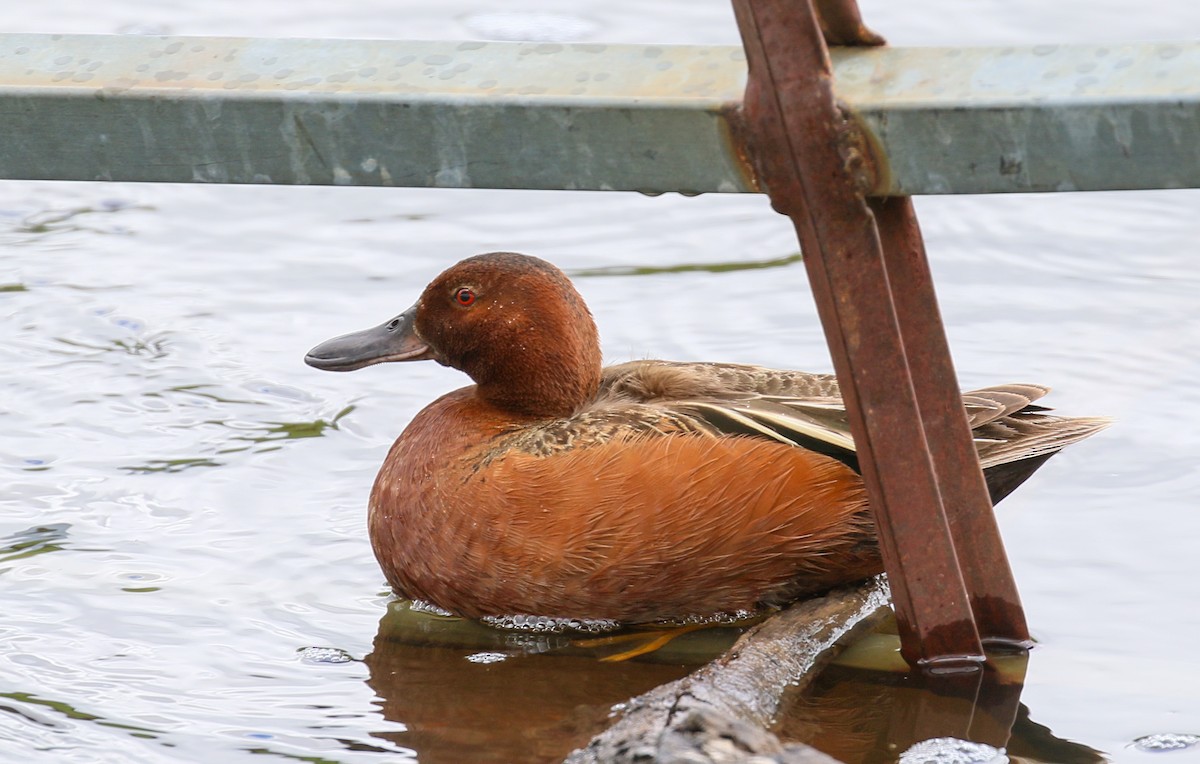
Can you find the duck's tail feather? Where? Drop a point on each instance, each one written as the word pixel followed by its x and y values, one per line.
pixel 1029 433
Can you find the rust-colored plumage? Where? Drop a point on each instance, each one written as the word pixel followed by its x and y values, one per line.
pixel 646 491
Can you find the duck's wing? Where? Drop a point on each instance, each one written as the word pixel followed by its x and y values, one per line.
pixel 647 399
pixel 656 381
pixel 795 407
pixel 646 381
pixel 819 424
pixel 806 409
pixel 991 403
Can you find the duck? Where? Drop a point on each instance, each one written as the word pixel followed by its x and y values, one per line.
pixel 649 491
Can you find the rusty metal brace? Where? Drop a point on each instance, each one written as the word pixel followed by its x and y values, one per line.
pixel 950 579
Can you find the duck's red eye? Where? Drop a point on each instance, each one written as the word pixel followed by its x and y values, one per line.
pixel 464 296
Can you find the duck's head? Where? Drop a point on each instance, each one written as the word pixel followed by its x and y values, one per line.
pixel 514 323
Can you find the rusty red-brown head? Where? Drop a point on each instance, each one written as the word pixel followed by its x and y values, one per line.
pixel 514 323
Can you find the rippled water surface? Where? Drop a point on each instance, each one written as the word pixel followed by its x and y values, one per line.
pixel 184 569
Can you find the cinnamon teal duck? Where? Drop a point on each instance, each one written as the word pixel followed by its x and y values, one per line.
pixel 641 492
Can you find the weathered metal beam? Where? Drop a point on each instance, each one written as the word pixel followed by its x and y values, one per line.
pixel 345 112
pixel 1042 118
pixel 620 117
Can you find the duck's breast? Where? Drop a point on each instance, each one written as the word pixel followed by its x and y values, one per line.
pixel 633 529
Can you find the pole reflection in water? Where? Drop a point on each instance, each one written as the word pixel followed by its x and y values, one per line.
pixel 869 707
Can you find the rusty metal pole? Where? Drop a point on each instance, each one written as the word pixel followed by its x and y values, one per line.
pixel 879 312
pixel 995 602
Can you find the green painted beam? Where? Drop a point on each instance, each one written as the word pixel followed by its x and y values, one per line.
pixel 599 117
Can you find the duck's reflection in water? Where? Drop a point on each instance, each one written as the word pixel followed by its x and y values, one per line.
pixel 466 692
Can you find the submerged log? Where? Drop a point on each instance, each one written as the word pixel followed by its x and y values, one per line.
pixel 720 713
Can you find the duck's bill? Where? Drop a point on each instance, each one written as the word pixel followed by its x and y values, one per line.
pixel 395 340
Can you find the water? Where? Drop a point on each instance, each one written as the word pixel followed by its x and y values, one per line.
pixel 184 569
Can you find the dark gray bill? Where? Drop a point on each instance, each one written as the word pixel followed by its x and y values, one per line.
pixel 395 340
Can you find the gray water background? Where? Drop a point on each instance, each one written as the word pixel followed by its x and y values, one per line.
pixel 179 517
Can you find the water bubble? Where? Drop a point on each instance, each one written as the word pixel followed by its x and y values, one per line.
pixel 949 750
pixel 324 655
pixel 420 606
pixel 487 657
pixel 1166 741
pixel 540 624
